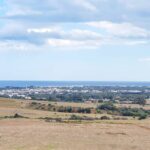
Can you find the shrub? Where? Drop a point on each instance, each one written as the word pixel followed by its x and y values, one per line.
pixel 17 116
pixel 69 109
pixel 87 110
pixel 34 103
pixel 75 117
pixel 140 101
pixel 107 106
pixel 105 118
pixel 143 116
pixel 133 112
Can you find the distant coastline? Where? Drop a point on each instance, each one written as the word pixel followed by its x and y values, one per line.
pixel 71 83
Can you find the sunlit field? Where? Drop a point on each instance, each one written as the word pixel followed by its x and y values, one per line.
pixel 34 133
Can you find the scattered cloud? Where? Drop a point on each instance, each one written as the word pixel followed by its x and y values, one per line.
pixel 86 4
pixel 144 59
pixel 121 29
pixel 133 5
pixel 49 11
pixel 68 43
pixel 76 23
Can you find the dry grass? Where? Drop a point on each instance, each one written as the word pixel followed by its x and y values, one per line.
pixel 9 107
pixel 35 134
pixel 146 107
pixel 5 102
pixel 38 135
pixel 73 104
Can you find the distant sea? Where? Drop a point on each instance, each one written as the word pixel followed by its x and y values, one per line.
pixel 70 83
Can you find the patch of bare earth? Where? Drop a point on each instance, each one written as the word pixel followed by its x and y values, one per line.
pixel 27 134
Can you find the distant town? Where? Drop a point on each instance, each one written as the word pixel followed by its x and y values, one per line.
pixel 78 94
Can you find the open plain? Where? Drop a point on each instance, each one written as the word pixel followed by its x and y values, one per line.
pixel 32 133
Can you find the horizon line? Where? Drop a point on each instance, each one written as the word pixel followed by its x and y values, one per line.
pixel 71 81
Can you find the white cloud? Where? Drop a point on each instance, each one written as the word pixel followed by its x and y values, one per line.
pixel 23 12
pixel 144 59
pixel 74 44
pixel 134 5
pixel 84 34
pixel 59 36
pixel 134 42
pixel 85 4
pixel 77 11
pixel 16 46
pixel 44 30
pixel 120 29
pixel 76 23
pixel 64 43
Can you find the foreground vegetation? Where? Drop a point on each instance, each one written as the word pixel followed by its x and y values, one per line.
pixel 36 125
pixel 103 108
pixel 72 111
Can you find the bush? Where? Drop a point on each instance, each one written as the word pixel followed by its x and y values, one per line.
pixel 107 106
pixel 75 117
pixel 140 101
pixel 133 112
pixel 15 116
pixel 18 116
pixel 34 103
pixel 87 110
pixel 105 118
pixel 69 109
pixel 143 116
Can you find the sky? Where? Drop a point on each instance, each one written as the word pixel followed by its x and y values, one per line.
pixel 75 40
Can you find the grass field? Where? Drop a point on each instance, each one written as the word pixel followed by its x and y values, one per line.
pixel 36 134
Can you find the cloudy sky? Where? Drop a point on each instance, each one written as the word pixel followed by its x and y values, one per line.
pixel 105 40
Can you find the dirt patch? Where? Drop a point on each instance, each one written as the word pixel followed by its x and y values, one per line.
pixel 116 133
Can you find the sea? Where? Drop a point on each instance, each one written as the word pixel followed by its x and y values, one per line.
pixel 23 84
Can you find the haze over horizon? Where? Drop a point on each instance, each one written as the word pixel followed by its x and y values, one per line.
pixel 78 40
